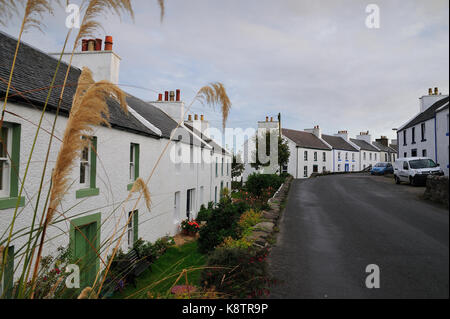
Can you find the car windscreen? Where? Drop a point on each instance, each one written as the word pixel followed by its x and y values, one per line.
pixel 381 165
pixel 422 163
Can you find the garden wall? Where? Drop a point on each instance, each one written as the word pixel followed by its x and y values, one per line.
pixel 437 189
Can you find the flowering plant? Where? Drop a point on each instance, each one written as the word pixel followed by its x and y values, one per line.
pixel 190 226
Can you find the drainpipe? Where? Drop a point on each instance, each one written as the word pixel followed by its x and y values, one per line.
pixel 435 138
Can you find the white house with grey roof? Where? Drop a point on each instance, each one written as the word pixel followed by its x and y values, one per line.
pixel 426 134
pixel 345 153
pixel 94 206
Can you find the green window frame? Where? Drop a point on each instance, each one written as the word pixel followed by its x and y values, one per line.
pixel 136 154
pixel 92 190
pixel 13 200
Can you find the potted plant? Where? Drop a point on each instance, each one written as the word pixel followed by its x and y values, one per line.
pixel 190 228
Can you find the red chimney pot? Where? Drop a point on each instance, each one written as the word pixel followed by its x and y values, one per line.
pixel 108 43
pixel 166 96
pixel 98 44
pixel 84 45
pixel 178 95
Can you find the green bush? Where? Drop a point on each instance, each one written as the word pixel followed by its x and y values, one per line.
pixel 222 223
pixel 258 183
pixel 204 213
pixel 238 273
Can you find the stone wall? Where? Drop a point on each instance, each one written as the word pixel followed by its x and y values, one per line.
pixel 437 189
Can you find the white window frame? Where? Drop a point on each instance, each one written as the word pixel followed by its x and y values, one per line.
pixel 130 230
pixel 132 172
pixel 305 171
pixel 5 162
pixel 87 162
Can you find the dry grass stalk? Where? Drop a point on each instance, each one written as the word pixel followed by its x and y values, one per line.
pixel 86 293
pixel 7 9
pixel 140 186
pixel 1 255
pixel 163 9
pixel 34 12
pixel 94 10
pixel 216 94
pixel 89 108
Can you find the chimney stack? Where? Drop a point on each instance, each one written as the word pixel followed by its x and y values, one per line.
pixel 91 45
pixel 108 43
pixel 267 119
pixel 430 91
pixel 172 96
pixel 166 96
pixel 202 117
pixel 436 91
pixel 160 97
pixel 196 117
pixel 178 96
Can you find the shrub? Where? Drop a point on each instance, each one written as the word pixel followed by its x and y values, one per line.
pixel 204 213
pixel 249 219
pixel 239 272
pixel 222 223
pixel 190 226
pixel 258 183
pixel 236 186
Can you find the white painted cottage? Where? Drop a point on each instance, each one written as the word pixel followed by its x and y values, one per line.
pixel 426 134
pixel 94 205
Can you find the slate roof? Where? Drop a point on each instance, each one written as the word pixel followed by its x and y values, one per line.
pixel 339 143
pixel 427 114
pixel 364 145
pixel 33 74
pixel 383 147
pixel 216 147
pixel 394 147
pixel 305 139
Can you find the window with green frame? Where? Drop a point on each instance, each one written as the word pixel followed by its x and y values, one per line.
pixel 9 166
pixel 134 164
pixel 88 170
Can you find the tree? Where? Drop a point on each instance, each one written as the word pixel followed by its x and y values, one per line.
pixel 283 153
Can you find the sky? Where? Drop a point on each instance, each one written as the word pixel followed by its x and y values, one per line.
pixel 314 61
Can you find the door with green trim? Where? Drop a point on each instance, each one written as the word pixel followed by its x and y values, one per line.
pixel 85 251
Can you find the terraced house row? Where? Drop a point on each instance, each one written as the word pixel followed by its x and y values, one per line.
pixel 311 151
pixel 107 169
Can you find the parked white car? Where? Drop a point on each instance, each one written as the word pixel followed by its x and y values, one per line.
pixel 415 170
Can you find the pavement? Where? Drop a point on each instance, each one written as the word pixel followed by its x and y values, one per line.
pixel 334 226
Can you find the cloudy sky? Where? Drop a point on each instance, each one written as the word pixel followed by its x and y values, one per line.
pixel 315 61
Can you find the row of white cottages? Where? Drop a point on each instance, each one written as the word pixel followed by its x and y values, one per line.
pixel 311 151
pixel 193 171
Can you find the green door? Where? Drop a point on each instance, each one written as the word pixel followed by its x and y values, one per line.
pixel 85 243
pixel 85 253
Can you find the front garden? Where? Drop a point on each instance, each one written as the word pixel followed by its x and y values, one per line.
pixel 226 257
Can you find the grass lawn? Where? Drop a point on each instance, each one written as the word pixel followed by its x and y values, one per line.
pixel 171 264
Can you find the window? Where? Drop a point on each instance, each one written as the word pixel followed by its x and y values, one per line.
pixel 315 156
pixel 215 195
pixel 353 167
pixel 405 165
pixel 5 150
pixel 9 166
pixel 217 167
pixel 414 152
pixel 228 169
pixel 306 155
pixel 364 155
pixel 375 156
pixel 424 153
pixel 339 167
pixel 190 202
pixel 88 171
pixel 404 138
pixel 422 131
pixel 315 168
pixel 305 171
pixel 324 155
pixel 134 163
pixel 324 169
pixel 370 156
pixel 346 156
pixel 413 135
pixel 221 189
pixel 284 169
pixel 222 165
pixel 339 156
pixel 133 226
pixel 353 157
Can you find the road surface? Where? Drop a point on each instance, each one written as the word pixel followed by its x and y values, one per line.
pixel 335 226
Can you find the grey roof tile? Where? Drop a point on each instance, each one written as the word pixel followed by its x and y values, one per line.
pixel 338 143
pixel 304 139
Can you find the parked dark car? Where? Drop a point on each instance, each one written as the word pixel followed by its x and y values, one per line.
pixel 382 169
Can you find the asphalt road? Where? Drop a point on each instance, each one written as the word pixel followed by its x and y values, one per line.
pixel 334 226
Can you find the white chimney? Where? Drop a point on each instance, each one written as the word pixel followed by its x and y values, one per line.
pixel 343 134
pixel 201 125
pixel 428 100
pixel 365 136
pixel 104 64
pixel 316 131
pixel 268 124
